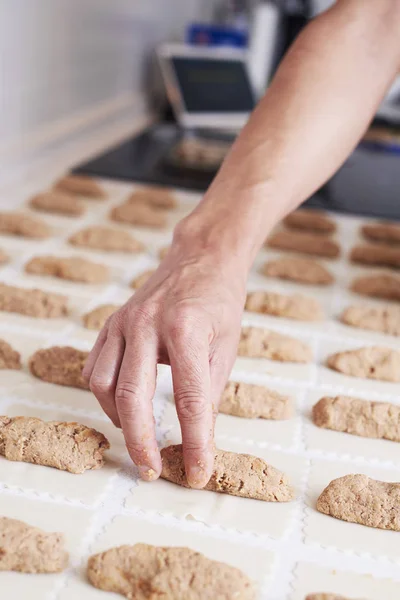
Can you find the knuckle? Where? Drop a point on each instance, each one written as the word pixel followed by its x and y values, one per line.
pixel 141 316
pixel 123 320
pixel 196 446
pixel 192 405
pixel 100 385
pixel 114 324
pixel 181 324
pixel 128 397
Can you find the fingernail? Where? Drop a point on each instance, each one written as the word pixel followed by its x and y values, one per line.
pixel 147 473
pixel 197 477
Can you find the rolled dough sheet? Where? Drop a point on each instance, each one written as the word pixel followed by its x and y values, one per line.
pixel 329 532
pixel 269 254
pixel 72 521
pixel 363 336
pixel 63 224
pixel 77 300
pixel 256 562
pixel 296 327
pixel 275 370
pixel 310 578
pixel 114 260
pixel 277 521
pixel 26 345
pixel 85 336
pixel 328 377
pixel 80 401
pixel 65 286
pixel 325 440
pixel 229 427
pixel 230 512
pixel 88 336
pixel 86 487
pixel 15 243
pixel 15 255
pixel 32 388
pixel 58 395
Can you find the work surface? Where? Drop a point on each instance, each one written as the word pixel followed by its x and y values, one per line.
pixel 288 549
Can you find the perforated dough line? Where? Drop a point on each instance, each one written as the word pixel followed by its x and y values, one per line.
pixel 110 505
pixel 285 563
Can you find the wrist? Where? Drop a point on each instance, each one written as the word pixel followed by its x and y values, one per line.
pixel 230 222
pixel 213 242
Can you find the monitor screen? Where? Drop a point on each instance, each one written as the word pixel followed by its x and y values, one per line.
pixel 213 85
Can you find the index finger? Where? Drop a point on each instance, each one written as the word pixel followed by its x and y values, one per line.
pixel 190 366
pixel 133 398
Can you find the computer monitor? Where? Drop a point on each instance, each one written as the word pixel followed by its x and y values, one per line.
pixel 208 88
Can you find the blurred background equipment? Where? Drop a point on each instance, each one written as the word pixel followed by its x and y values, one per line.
pixel 91 80
pixel 211 84
pixel 207 87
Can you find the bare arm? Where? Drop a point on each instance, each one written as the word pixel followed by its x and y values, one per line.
pixel 188 314
pixel 321 101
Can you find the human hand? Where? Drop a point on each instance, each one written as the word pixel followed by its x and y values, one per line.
pixel 187 315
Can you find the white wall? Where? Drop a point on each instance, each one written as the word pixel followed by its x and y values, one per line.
pixel 60 58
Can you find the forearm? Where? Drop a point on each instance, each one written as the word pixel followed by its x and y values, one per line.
pixel 321 100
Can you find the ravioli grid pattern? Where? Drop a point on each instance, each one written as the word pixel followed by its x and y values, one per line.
pixel 293 547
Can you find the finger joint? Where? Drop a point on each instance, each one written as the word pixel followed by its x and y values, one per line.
pixel 128 398
pixel 100 386
pixel 192 405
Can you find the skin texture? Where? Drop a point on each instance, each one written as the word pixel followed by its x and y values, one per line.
pixel 188 313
